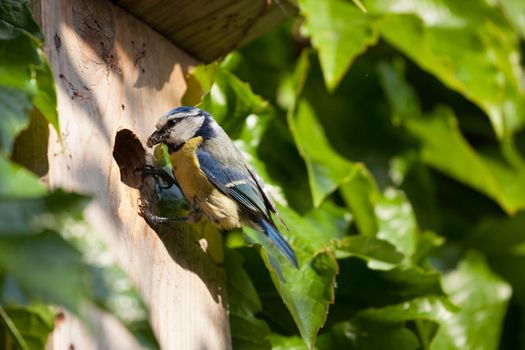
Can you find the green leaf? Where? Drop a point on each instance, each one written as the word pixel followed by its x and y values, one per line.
pixel 11 328
pixel 46 99
pixel 280 342
pixel 247 331
pixel 359 193
pixel 435 308
pixel 515 12
pixel 446 39
pixel 359 4
pixel 307 292
pixel 358 334
pixel 499 235
pixel 479 61
pixel 428 242
pixel 425 312
pixel 231 101
pixel 378 253
pixel 314 238
pixel 396 221
pixel 502 240
pixel 16 181
pixel 340 32
pixel 85 260
pixel 482 297
pixel 14 108
pixel 18 57
pixel 34 322
pixel 330 219
pixel 40 263
pixel 15 17
pixel 445 148
pixel 387 216
pixel 32 215
pixel 327 170
pixel 410 174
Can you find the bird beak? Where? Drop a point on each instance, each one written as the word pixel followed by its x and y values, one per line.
pixel 155 138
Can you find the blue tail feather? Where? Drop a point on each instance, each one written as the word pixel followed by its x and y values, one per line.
pixel 276 237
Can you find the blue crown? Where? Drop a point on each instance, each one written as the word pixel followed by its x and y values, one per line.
pixel 185 109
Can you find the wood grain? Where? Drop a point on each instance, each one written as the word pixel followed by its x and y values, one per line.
pixel 210 29
pixel 114 73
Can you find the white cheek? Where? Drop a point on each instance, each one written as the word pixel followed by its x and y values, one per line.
pixel 176 137
pixel 182 132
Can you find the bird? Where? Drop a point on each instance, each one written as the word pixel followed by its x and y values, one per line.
pixel 214 177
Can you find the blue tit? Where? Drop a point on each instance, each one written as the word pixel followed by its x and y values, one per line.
pixel 214 177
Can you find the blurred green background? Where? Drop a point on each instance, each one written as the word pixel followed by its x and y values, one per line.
pixel 390 132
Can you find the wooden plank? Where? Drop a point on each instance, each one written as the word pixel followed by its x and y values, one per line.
pixel 114 74
pixel 210 29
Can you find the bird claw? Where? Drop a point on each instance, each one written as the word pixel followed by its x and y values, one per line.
pixel 158 173
pixel 193 216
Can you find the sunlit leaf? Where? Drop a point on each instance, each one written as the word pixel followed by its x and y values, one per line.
pixel 502 239
pixel 327 170
pixel 515 11
pixel 340 32
pixel 445 148
pixel 409 173
pixel 45 99
pixel 387 216
pixel 308 292
pixel 280 342
pixel 479 61
pixel 359 193
pixel 231 101
pixel 17 182
pixel 378 253
pixel 330 219
pixel 482 298
pixel 396 221
pixel 359 4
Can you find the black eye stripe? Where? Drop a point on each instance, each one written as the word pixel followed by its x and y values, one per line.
pixel 173 122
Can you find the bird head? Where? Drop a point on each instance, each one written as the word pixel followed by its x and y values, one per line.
pixel 178 126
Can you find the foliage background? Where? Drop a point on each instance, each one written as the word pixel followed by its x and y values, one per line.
pixel 395 138
pixel 391 134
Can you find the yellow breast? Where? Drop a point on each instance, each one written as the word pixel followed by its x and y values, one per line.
pixel 219 208
pixel 192 180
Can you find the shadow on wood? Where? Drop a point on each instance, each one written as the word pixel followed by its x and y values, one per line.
pixel 129 154
pixel 110 90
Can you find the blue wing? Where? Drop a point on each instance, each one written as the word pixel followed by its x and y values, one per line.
pixel 237 183
pixel 241 184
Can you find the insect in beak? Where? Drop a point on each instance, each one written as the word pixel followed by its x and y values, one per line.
pixel 155 138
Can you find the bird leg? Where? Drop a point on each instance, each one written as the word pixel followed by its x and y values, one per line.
pixel 159 173
pixel 194 215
